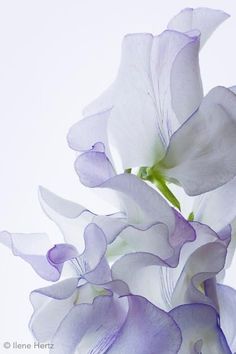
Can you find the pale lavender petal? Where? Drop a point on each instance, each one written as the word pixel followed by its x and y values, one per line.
pixel 70 217
pixel 200 329
pixel 176 79
pixel 145 267
pixel 200 155
pixel 141 202
pixel 204 264
pixel 184 232
pixel 93 167
pixel 134 106
pixel 170 272
pixel 227 303
pixel 202 19
pixel 147 330
pixel 91 328
pixel 32 248
pixel 86 132
pixel 93 264
pixel 61 253
pixel 51 305
pixel 217 208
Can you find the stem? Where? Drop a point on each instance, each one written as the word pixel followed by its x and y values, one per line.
pixel 162 186
pixel 148 174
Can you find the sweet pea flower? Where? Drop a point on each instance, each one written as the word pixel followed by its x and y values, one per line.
pixel 155 115
pixel 90 312
pixel 184 268
pixel 145 280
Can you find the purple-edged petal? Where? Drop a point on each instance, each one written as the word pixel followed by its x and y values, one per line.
pixel 93 167
pixel 32 248
pixel 202 19
pixel 200 154
pixel 201 333
pixel 85 133
pixel 177 277
pixel 92 262
pixel 227 304
pixel 200 269
pixel 147 330
pixel 61 253
pixel 51 305
pixel 91 327
pixel 141 203
pixel 70 217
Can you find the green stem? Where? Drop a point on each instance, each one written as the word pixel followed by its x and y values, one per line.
pixel 149 175
pixel 162 186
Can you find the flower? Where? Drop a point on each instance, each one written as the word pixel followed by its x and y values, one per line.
pixel 145 280
pixel 158 90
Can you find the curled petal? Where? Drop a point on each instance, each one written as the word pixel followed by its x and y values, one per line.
pixel 93 167
pixel 70 217
pixel 85 133
pixel 32 248
pixel 200 329
pixel 202 19
pixel 92 260
pixel 207 261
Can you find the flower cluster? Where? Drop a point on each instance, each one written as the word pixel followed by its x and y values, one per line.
pixel 145 280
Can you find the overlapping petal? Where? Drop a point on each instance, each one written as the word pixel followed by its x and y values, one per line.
pixel 94 167
pixel 202 19
pixel 32 248
pixel 200 155
pixel 179 277
pixel 227 305
pixel 200 329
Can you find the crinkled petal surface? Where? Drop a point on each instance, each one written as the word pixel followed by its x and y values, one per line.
pixel 200 329
pixel 200 155
pixel 177 277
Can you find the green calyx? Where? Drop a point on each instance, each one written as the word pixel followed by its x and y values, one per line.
pixel 153 176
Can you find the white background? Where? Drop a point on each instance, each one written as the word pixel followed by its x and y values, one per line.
pixel 56 56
